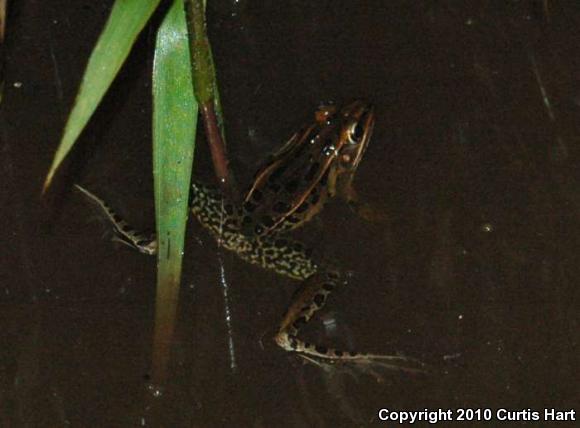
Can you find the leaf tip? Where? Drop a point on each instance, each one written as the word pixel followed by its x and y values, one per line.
pixel 47 181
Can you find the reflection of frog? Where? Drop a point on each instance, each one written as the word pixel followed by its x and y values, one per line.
pixel 317 163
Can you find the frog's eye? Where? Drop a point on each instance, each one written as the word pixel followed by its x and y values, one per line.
pixel 356 133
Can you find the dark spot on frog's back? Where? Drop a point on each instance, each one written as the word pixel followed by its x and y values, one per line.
pixel 302 207
pixel 291 186
pixel 312 171
pixel 293 219
pixel 257 195
pixel 275 187
pixel 281 207
pixel 276 174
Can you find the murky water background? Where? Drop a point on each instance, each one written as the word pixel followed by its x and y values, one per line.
pixel 474 161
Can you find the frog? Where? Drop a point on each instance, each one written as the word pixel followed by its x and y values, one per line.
pixel 318 163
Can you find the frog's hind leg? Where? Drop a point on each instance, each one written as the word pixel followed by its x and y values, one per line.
pixel 310 298
pixel 123 232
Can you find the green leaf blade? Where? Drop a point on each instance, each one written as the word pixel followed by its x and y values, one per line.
pixel 174 127
pixel 127 19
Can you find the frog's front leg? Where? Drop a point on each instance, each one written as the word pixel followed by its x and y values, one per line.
pixel 367 211
pixel 310 298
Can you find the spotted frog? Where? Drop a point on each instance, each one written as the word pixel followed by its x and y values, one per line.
pixel 316 164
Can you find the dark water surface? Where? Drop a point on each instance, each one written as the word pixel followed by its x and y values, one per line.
pixel 474 162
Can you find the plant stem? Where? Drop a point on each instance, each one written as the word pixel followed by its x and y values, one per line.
pixel 206 92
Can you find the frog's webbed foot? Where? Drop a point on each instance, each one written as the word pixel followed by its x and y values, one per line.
pixel 376 369
pixel 309 299
pixel 123 232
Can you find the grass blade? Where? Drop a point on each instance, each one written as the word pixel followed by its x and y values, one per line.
pixel 174 127
pixel 127 19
